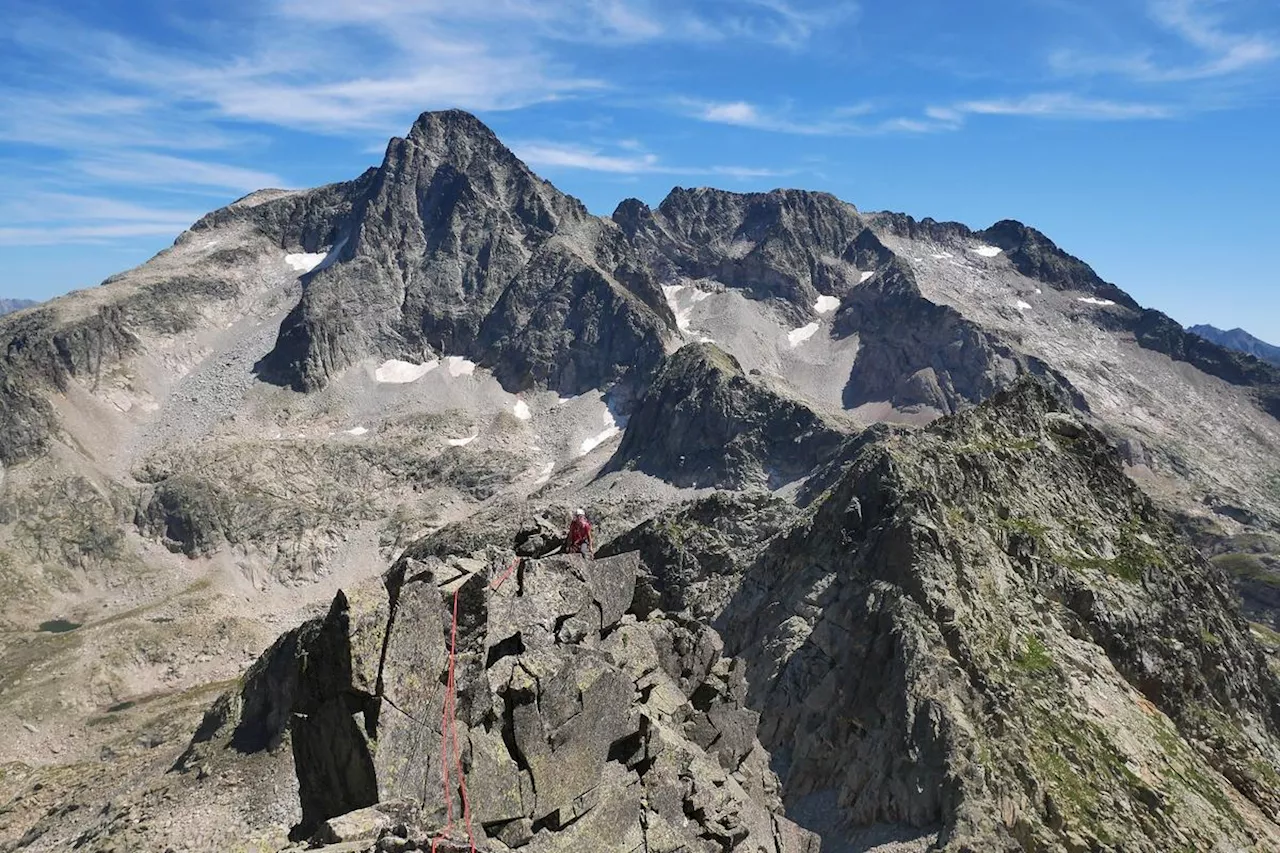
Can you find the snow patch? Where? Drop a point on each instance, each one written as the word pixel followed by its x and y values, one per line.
pixel 462 442
pixel 546 474
pixel 1023 306
pixel 610 430
pixel 942 256
pixel 826 304
pixel 671 291
pixel 398 372
pixel 985 251
pixel 459 366
pixel 865 276
pixel 699 295
pixel 522 410
pixel 357 430
pixel 1090 300
pixel 305 261
pixel 802 334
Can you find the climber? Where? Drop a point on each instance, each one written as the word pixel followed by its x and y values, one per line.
pixel 581 540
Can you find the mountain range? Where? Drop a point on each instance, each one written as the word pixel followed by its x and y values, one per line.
pixel 912 536
pixel 1240 341
pixel 8 306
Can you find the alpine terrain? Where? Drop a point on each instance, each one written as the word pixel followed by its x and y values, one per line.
pixel 909 536
pixel 1241 341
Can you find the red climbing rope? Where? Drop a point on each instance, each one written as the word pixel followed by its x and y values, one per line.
pixel 511 568
pixel 449 724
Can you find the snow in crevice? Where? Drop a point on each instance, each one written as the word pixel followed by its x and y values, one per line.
pixel 459 366
pixel 1022 305
pixel 396 372
pixel 611 429
pixel 985 251
pixel 942 256
pixel 305 262
pixel 802 334
pixel 360 430
pixel 671 292
pixel 545 476
pixel 864 277
pixel 462 442
pixel 1092 300
pixel 522 411
pixel 826 304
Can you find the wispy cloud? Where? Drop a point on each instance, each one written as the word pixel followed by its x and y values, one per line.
pixel 554 155
pixel 50 218
pixel 853 120
pixel 139 167
pixel 1058 105
pixel 1209 49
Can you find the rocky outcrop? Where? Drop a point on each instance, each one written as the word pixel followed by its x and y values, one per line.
pixel 186 514
pixel 985 630
pixel 456 247
pixel 578 721
pixel 698 551
pixel 703 422
pixel 918 354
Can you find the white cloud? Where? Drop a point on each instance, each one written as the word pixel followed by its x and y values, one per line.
pixel 141 167
pixel 555 155
pixel 736 112
pixel 1216 51
pixel 1057 105
pixel 851 120
pixel 61 206
pixel 71 234
pixel 52 218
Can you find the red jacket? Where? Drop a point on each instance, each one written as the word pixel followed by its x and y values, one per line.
pixel 579 532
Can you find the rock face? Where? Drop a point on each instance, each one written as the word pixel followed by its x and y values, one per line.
pixel 456 247
pixel 703 422
pixel 785 247
pixel 918 354
pixel 580 720
pixel 986 632
pixel 1240 341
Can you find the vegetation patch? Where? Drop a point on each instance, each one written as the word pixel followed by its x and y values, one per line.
pixel 1034 658
pixel 1024 525
pixel 1247 567
pixel 992 445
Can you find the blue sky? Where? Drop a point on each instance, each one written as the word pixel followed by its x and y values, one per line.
pixel 1140 135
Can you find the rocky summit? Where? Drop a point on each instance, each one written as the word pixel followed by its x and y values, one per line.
pixel 909 536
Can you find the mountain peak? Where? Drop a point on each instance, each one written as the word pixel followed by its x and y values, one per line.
pixel 1239 340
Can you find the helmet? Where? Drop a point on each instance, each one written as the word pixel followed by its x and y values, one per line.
pixel 577 513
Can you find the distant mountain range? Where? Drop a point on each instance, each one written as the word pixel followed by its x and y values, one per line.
pixel 8 306
pixel 1240 341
